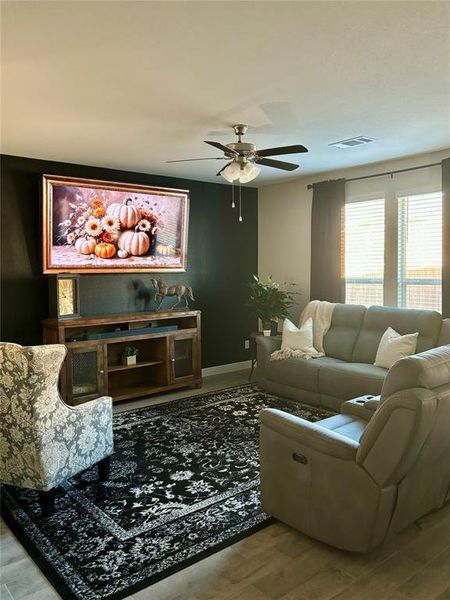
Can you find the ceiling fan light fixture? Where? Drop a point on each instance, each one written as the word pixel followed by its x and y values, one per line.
pixel 249 172
pixel 231 172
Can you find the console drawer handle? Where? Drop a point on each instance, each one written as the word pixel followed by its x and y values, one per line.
pixel 301 458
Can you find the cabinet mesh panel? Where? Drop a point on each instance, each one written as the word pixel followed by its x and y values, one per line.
pixel 183 358
pixel 84 373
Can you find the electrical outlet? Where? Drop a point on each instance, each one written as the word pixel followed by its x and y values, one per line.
pixel 247 344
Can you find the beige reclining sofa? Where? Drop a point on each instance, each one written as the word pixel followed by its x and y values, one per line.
pixel 351 344
pixel 353 479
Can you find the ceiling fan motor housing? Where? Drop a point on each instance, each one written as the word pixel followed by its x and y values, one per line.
pixel 242 148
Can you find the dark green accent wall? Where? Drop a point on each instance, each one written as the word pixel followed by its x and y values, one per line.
pixel 222 255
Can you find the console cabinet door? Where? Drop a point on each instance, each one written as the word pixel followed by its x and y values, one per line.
pixel 184 358
pixel 85 372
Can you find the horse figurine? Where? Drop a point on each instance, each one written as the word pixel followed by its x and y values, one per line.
pixel 163 290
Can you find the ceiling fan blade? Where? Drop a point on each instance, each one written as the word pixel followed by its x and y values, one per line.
pixel 190 159
pixel 223 168
pixel 276 164
pixel 297 149
pixel 222 147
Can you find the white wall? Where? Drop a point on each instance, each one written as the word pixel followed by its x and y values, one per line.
pixel 284 217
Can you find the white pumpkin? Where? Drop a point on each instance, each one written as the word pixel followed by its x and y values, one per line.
pixel 122 254
pixel 127 215
pixel 85 245
pixel 135 243
pixel 164 250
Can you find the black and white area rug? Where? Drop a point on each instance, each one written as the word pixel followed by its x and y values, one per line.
pixel 184 484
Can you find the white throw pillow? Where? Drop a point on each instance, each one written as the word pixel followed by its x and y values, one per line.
pixel 393 347
pixel 298 339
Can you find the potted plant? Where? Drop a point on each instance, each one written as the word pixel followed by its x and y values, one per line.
pixel 129 355
pixel 269 303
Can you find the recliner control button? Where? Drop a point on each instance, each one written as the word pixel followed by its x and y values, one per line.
pixel 301 458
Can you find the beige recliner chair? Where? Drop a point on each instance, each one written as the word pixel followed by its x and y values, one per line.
pixel 353 479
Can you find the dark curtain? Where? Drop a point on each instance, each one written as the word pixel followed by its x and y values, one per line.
pixel 327 241
pixel 446 237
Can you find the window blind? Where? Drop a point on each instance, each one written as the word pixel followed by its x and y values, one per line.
pixel 419 283
pixel 364 252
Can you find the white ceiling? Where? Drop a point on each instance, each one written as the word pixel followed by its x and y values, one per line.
pixel 130 85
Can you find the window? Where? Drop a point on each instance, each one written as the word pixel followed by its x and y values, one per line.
pixel 364 252
pixel 420 251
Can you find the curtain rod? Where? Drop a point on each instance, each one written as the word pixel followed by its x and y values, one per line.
pixel 391 173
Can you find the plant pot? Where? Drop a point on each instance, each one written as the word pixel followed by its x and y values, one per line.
pixel 271 327
pixel 267 332
pixel 129 360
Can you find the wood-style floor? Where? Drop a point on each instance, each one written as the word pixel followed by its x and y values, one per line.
pixel 277 563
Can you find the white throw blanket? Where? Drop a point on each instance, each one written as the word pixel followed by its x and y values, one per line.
pixel 321 313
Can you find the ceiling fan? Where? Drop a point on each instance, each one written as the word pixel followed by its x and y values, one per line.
pixel 245 158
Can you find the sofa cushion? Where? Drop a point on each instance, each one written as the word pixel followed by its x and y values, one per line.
pixel 349 380
pixel 298 372
pixel 349 426
pixel 340 339
pixel 295 338
pixel 444 336
pixel 378 318
pixel 394 347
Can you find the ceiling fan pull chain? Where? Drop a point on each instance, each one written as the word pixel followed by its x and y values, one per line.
pixel 233 204
pixel 240 202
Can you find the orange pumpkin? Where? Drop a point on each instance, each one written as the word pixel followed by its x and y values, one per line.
pixel 127 214
pixel 135 243
pixel 105 250
pixel 85 245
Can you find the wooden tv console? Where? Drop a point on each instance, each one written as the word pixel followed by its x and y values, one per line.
pixel 167 359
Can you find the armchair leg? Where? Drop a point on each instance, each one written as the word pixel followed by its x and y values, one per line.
pixel 103 468
pixel 47 502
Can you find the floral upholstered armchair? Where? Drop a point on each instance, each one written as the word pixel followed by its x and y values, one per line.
pixel 43 441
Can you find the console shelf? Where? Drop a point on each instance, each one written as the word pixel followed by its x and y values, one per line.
pixel 166 359
pixel 138 365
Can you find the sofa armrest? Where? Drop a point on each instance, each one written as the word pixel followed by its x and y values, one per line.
pixel 362 407
pixel 312 435
pixel 268 344
pixel 265 345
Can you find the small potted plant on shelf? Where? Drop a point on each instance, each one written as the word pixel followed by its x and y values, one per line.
pixel 129 355
pixel 269 303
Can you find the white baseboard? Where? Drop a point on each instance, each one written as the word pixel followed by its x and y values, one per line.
pixel 237 366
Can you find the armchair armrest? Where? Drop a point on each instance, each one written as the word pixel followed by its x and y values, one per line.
pixel 373 403
pixel 96 413
pixel 362 407
pixel 312 435
pixel 102 404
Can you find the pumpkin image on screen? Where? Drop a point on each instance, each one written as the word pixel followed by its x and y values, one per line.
pixel 164 250
pixel 127 214
pixel 105 250
pixel 135 243
pixel 85 245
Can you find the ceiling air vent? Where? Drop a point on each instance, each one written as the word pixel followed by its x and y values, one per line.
pixel 356 141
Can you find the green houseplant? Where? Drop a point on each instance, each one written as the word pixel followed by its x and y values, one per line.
pixel 268 302
pixel 129 354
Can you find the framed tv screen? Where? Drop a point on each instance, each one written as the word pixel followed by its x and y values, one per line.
pixel 102 226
